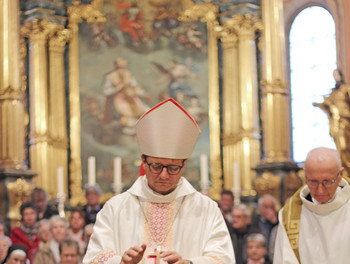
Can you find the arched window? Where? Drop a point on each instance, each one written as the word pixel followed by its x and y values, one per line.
pixel 312 62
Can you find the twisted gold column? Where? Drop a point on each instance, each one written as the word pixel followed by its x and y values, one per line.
pixel 12 112
pixel 241 139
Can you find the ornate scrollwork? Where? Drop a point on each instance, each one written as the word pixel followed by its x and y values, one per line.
pixel 18 191
pixel 59 39
pixel 268 183
pixel 11 93
pixel 91 13
pixel 245 22
pixel 292 182
pixel 203 12
pixel 275 87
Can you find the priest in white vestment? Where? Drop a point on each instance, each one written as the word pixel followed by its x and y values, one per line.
pixel 314 226
pixel 162 218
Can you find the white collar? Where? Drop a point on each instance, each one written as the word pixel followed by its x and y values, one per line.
pixel 340 198
pixel 331 200
pixel 140 188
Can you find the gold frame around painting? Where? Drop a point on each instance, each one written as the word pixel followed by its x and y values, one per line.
pixel 203 12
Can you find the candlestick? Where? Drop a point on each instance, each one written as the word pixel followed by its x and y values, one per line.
pixel 60 193
pixel 60 180
pixel 236 182
pixel 204 182
pixel 92 170
pixel 117 174
pixel 204 169
pixel 236 176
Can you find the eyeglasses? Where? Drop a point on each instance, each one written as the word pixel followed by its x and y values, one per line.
pixel 157 168
pixel 325 183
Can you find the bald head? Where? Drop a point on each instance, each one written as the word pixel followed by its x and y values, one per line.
pixel 323 173
pixel 323 157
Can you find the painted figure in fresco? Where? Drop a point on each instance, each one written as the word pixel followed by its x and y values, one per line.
pixel 164 20
pixel 123 97
pixel 179 88
pixel 190 39
pixel 193 36
pixel 131 23
pixel 100 34
pixel 178 74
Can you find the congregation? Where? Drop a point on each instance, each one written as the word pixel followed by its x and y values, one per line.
pixel 252 230
pixel 45 237
pixel 44 233
pixel 50 239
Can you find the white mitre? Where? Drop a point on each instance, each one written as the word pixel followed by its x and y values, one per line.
pixel 167 131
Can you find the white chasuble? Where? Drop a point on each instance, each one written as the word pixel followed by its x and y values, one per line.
pixel 184 221
pixel 324 233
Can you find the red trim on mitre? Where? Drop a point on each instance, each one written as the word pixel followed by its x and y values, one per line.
pixel 142 171
pixel 175 103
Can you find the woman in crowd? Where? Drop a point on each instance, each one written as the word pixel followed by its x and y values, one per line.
pixel 49 253
pixel 17 254
pixel 27 233
pixel 44 235
pixel 5 243
pixel 76 230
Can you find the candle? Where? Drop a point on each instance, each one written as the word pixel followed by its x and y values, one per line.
pixel 91 170
pixel 236 176
pixel 204 169
pixel 60 180
pixel 117 172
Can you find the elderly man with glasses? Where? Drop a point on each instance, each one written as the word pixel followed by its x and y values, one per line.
pixel 162 219
pixel 314 224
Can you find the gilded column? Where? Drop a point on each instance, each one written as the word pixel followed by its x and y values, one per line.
pixel 15 183
pixel 242 135
pixel 74 110
pixel 207 12
pixel 210 18
pixel 76 14
pixel 249 147
pixel 277 173
pixel 12 112
pixel 231 102
pixel 275 93
pixel 57 105
pixel 39 138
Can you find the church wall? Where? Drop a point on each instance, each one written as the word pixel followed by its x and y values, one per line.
pixel 340 10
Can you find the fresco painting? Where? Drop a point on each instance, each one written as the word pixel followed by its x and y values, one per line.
pixel 140 56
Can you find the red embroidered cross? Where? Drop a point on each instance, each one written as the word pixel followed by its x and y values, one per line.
pixel 155 255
